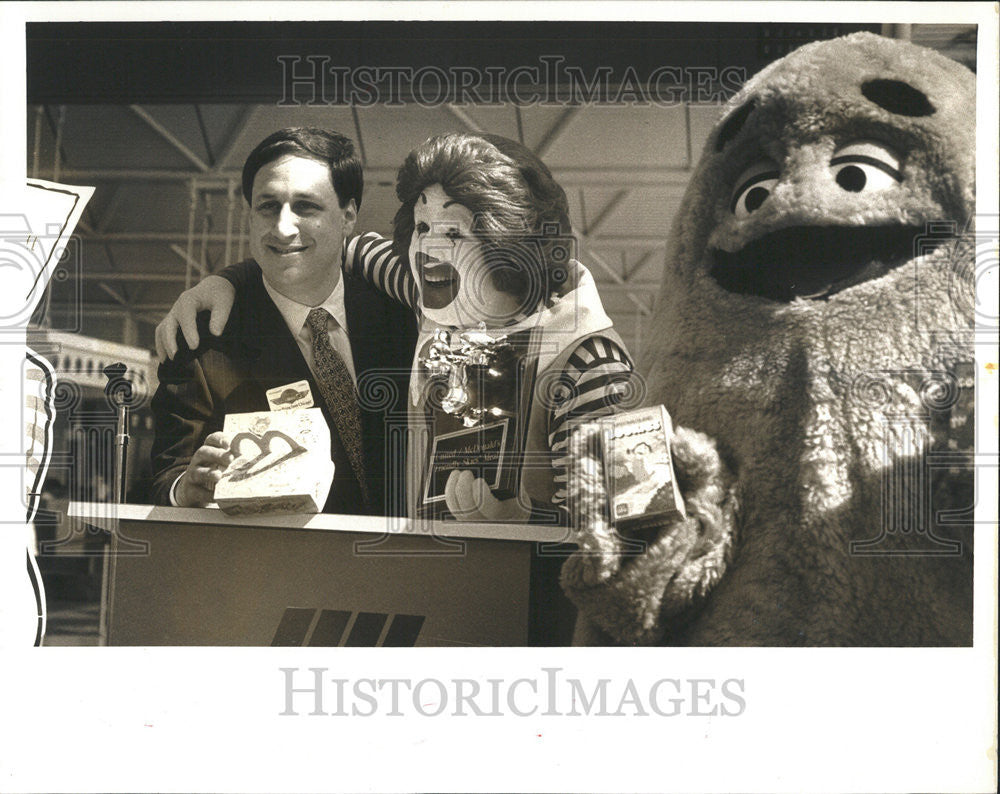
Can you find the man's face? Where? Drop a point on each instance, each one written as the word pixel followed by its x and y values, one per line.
pixel 448 263
pixel 297 228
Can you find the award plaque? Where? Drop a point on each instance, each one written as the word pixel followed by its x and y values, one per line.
pixel 281 463
pixel 477 403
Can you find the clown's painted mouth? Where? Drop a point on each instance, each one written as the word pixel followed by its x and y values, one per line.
pixel 439 282
pixel 815 262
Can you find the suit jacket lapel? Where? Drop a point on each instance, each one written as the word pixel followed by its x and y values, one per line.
pixel 273 354
pixel 364 324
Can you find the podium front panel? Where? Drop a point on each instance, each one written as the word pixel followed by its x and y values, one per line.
pixel 236 585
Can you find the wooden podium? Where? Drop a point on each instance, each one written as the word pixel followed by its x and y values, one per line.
pixel 185 576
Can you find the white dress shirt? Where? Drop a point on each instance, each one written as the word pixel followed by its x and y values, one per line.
pixel 295 315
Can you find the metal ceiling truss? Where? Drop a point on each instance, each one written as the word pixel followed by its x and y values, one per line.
pixel 214 175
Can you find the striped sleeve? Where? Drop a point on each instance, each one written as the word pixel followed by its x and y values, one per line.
pixel 369 256
pixel 596 379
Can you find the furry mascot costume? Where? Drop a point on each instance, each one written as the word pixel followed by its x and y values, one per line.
pixel 815 322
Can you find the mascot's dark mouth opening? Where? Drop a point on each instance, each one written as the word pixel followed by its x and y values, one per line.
pixel 815 262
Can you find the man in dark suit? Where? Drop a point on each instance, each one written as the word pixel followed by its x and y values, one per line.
pixel 297 319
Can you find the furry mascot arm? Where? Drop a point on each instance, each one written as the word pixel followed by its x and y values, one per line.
pixel 632 590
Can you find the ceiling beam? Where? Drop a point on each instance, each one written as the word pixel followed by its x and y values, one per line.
pixel 628 287
pixel 190 260
pixel 609 249
pixel 616 277
pixel 465 118
pixel 553 132
pixel 246 116
pixel 151 237
pixel 169 137
pixel 141 314
pixel 37 141
pixel 134 276
pixel 688 142
pixel 118 297
pixel 616 239
pixel 569 176
pixel 204 135
pixel 605 213
pixel 140 174
pixel 638 265
pixel 110 210
pixel 136 308
pixel 360 139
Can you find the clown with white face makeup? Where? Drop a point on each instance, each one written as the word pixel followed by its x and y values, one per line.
pixel 485 230
pixel 442 249
pixel 450 266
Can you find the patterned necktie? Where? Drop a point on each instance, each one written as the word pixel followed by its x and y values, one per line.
pixel 337 388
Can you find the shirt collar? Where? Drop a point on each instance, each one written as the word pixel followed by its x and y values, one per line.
pixel 295 313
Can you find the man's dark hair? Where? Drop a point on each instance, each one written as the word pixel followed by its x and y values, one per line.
pixel 324 146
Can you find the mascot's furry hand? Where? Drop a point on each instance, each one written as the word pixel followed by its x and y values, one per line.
pixel 629 589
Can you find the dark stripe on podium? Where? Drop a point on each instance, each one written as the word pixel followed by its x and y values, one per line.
pixel 403 631
pixel 329 628
pixel 366 630
pixel 293 627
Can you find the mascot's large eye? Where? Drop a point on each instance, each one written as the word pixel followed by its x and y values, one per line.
pixel 754 186
pixel 865 165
